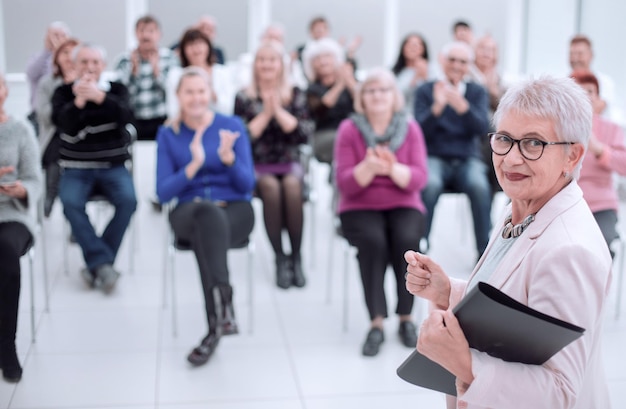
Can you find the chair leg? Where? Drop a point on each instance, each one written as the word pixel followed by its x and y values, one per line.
pixel 173 285
pixel 251 250
pixel 66 245
pixel 31 265
pixel 620 276
pixel 329 270
pixel 346 283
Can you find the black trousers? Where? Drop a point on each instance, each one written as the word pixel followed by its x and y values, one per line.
pixel 381 238
pixel 147 128
pixel 211 230
pixel 15 240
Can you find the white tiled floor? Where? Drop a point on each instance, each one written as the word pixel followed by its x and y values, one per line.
pixel 118 351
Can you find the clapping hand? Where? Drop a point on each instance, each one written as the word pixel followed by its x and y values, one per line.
pixel 225 150
pixel 379 166
pixel 12 189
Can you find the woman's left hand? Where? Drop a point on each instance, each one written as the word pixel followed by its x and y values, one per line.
pixel 225 150
pixel 14 189
pixel 442 340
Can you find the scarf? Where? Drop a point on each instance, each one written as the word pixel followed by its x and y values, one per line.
pixel 394 134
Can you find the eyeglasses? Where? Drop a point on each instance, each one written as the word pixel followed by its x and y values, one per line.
pixel 372 91
pixel 461 61
pixel 530 148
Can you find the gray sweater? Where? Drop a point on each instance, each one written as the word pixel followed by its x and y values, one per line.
pixel 18 148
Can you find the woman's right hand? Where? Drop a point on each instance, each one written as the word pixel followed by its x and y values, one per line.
pixel 426 279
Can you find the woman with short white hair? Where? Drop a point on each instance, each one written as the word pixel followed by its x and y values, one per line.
pixel 330 93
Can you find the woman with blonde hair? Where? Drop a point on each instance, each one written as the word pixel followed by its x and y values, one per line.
pixel 380 156
pixel 278 122
pixel 204 162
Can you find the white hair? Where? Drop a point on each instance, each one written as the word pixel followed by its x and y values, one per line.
pixel 558 99
pixel 318 47
pixel 445 51
pixel 98 48
pixel 61 26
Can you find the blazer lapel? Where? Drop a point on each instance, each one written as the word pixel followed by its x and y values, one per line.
pixel 562 201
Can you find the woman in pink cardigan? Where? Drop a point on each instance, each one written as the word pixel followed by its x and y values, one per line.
pixel 381 164
pixel 606 156
pixel 547 252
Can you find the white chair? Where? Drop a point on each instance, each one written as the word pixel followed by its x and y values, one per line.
pixel 619 247
pixel 175 245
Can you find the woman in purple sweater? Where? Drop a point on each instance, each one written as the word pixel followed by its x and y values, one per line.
pixel 381 169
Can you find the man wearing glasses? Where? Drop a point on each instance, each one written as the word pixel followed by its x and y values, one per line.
pixel 454 116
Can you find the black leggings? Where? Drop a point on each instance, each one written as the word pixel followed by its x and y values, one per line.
pixel 211 230
pixel 282 207
pixel 381 237
pixel 15 240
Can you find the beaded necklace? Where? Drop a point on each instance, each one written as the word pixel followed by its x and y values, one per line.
pixel 511 231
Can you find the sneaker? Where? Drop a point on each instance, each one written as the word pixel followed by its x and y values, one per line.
pixel 89 277
pixel 375 338
pixel 107 277
pixel 408 334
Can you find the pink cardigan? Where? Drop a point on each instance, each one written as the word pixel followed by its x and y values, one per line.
pixel 382 193
pixel 596 175
pixel 560 266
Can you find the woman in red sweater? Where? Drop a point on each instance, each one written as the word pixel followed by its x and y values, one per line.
pixel 381 169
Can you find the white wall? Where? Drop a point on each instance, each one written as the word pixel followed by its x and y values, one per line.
pixel 539 47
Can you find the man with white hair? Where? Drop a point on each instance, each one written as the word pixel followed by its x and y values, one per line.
pixel 454 116
pixel 91 115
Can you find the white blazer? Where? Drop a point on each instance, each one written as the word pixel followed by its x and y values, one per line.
pixel 560 266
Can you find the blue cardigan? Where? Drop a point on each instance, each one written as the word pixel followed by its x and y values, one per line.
pixel 214 181
pixel 451 135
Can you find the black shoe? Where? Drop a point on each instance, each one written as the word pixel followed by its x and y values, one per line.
pixel 11 368
pixel 408 334
pixel 201 354
pixel 373 341
pixel 224 298
pixel 284 275
pixel 298 275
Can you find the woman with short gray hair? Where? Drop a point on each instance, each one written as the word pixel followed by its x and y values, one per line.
pixel 547 252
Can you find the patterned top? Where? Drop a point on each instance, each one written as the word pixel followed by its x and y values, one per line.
pixel 274 145
pixel 147 92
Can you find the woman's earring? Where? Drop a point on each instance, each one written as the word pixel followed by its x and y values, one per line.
pixel 566 174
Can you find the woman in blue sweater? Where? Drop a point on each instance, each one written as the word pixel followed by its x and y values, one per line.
pixel 204 161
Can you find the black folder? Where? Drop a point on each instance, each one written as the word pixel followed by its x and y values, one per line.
pixel 496 324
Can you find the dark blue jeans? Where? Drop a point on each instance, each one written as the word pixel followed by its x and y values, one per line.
pixel 467 176
pixel 116 184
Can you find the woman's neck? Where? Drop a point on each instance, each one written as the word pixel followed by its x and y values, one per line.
pixel 3 115
pixel 379 121
pixel 196 121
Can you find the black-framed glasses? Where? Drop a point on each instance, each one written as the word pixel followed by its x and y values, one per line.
pixel 530 148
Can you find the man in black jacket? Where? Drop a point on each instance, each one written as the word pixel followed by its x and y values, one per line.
pixel 91 115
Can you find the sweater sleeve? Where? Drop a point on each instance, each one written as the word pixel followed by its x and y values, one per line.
pixel 169 180
pixel 347 157
pixel 242 172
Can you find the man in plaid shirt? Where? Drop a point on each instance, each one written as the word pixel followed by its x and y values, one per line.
pixel 144 71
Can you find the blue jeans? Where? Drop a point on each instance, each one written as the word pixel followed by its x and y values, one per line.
pixel 116 184
pixel 467 176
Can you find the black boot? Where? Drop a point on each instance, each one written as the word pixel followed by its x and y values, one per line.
pixel 201 354
pixel 53 174
pixel 11 368
pixel 284 275
pixel 226 313
pixel 298 275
